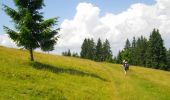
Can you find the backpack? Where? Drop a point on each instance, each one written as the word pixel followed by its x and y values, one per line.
pixel 126 66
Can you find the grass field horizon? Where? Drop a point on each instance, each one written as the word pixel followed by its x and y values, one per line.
pixel 54 77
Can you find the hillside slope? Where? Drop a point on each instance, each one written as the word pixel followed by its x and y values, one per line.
pixel 66 78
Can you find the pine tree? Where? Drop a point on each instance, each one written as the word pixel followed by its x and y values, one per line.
pixel 84 50
pixel 156 52
pixel 64 53
pixel 119 57
pixel 88 49
pixel 99 51
pixel 141 47
pixel 127 45
pixel 32 31
pixel 133 52
pixel 126 53
pixel 114 60
pixel 168 59
pixel 91 49
pixel 69 52
pixel 107 53
pixel 134 42
pixel 75 54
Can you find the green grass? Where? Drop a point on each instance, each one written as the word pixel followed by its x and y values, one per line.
pixel 66 78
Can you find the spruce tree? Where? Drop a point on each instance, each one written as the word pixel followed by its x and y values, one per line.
pixel 127 45
pixel 63 53
pixel 107 53
pixel 141 47
pixel 99 51
pixel 114 60
pixel 91 49
pixel 88 49
pixel 119 58
pixel 126 53
pixel 69 52
pixel 88 56
pixel 75 54
pixel 84 50
pixel 32 31
pixel 134 42
pixel 133 52
pixel 168 59
pixel 156 52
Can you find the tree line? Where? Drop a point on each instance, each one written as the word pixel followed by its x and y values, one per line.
pixel 146 52
pixel 68 53
pixel 140 52
pixel 90 50
pixel 97 52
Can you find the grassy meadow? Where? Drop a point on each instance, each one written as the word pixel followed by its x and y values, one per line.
pixel 53 77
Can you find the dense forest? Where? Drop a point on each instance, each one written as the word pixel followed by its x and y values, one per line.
pixel 148 53
pixel 140 51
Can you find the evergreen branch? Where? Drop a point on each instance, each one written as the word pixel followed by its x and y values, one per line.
pixel 12 13
pixel 12 34
pixel 48 23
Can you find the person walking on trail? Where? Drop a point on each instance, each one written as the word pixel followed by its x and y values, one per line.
pixel 125 66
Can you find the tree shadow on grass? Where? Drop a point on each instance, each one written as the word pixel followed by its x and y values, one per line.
pixel 57 70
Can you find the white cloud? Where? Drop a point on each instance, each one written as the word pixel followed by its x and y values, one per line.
pixel 6 41
pixel 139 19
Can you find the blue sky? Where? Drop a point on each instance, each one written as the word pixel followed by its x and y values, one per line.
pixel 66 9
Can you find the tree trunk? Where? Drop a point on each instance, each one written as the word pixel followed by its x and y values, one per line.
pixel 31 55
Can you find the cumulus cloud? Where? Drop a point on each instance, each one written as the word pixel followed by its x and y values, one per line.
pixel 139 19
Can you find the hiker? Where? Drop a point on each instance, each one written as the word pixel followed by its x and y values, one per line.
pixel 125 65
